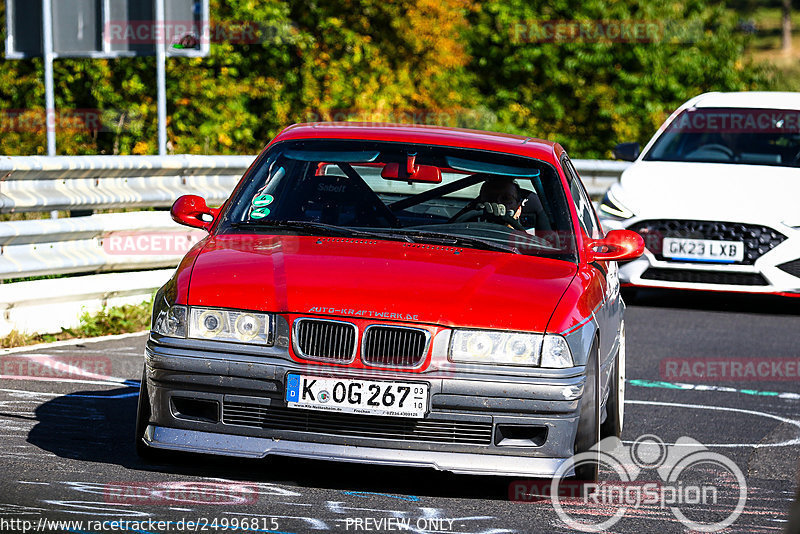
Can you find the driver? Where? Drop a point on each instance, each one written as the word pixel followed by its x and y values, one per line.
pixel 501 200
pixel 501 197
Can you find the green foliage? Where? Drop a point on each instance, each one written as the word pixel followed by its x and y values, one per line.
pixel 16 338
pixel 590 94
pixel 114 320
pixel 452 62
pixel 108 321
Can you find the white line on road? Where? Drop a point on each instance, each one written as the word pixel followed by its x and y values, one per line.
pixel 785 443
pixel 707 387
pixel 122 382
pixel 61 367
pixel 68 342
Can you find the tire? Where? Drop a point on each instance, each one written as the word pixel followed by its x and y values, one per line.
pixel 615 405
pixel 143 413
pixel 589 422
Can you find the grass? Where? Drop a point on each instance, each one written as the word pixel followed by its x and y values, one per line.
pixel 32 278
pixel 767 39
pixel 108 321
pixel 62 214
pixel 766 46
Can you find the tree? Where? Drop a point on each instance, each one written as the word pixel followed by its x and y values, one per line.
pixel 473 63
pixel 786 27
pixel 592 88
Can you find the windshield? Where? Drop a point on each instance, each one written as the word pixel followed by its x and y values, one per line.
pixel 406 192
pixel 731 135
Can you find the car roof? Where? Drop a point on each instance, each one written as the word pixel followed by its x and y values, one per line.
pixel 424 134
pixel 749 99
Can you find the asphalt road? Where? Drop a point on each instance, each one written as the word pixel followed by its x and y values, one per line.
pixel 67 452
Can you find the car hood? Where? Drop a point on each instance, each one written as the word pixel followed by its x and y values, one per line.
pixel 390 280
pixel 710 191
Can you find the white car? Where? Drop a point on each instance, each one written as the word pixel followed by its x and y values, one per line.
pixel 716 196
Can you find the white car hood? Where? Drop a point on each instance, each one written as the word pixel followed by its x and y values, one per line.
pixel 711 191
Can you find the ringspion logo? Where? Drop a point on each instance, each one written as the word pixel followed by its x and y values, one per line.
pixel 693 483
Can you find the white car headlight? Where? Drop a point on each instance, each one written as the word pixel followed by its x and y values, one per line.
pixel 613 208
pixel 509 348
pixel 487 346
pixel 230 325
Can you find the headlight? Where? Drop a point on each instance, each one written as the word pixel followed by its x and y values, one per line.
pixel 230 325
pixel 612 207
pixel 212 323
pixel 486 346
pixel 170 320
pixel 504 348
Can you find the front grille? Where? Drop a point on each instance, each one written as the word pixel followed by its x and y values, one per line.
pixel 758 240
pixel 357 426
pixel 705 277
pixel 394 346
pixel 321 339
pixel 792 267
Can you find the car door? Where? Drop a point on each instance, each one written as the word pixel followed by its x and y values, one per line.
pixel 607 314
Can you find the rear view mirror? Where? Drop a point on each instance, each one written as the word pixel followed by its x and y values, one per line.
pixel 191 210
pixel 627 151
pixel 618 245
pixel 410 172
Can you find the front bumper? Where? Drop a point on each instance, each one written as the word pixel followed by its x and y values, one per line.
pixel 769 274
pixel 466 428
pixel 255 447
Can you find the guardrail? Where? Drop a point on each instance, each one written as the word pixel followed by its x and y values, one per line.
pixel 97 243
pixel 40 183
pixel 134 241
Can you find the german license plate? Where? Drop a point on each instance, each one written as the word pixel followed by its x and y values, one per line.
pixel 703 250
pixel 370 397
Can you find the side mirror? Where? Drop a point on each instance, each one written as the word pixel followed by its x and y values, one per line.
pixel 627 151
pixel 618 245
pixel 191 210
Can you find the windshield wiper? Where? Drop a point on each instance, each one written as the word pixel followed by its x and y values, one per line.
pixel 314 228
pixel 455 239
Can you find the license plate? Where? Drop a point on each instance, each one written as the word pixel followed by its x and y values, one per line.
pixel 369 397
pixel 703 250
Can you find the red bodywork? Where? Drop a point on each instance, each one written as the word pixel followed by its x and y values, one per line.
pixel 429 286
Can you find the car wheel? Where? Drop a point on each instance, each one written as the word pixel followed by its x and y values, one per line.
pixel 589 423
pixel 142 420
pixel 615 406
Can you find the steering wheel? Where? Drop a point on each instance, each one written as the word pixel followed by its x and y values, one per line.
pixel 713 147
pixel 479 212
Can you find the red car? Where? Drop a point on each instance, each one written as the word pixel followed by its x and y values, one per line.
pixel 395 295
